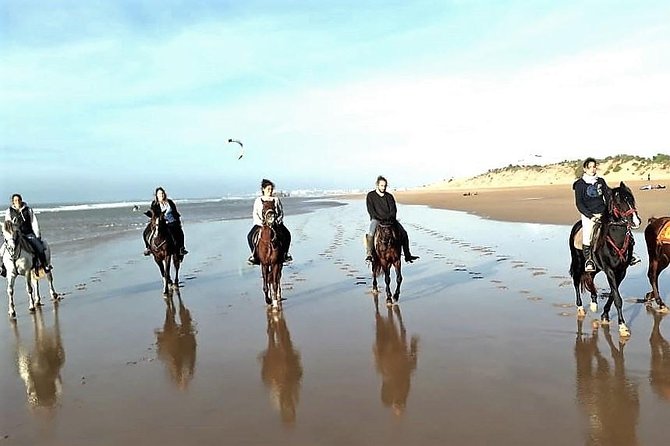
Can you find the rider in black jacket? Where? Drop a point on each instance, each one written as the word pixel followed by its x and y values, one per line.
pixel 382 208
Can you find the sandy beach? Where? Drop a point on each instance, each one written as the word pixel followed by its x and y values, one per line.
pixel 484 348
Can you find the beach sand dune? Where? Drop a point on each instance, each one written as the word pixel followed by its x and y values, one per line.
pixel 484 348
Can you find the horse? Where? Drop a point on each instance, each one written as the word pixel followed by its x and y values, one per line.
pixel 657 237
pixel 386 254
pixel 610 253
pixel 164 250
pixel 270 252
pixel 17 256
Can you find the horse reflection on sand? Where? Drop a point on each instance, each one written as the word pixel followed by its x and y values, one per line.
pixel 395 360
pixel 281 368
pixel 659 371
pixel 609 399
pixel 40 366
pixel 176 343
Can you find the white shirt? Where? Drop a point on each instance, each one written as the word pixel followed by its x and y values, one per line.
pixel 258 210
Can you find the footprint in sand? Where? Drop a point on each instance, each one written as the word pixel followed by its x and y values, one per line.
pixel 562 305
pixel 565 283
pixel 80 287
pixel 502 287
pixel 96 279
pixel 534 298
pixel 565 313
pixel 524 292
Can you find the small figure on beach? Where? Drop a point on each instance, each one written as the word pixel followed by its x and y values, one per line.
pixel 165 207
pixel 382 208
pixel 23 218
pixel 267 195
pixel 591 198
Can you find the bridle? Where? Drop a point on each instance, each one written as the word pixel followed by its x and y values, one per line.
pixel 621 219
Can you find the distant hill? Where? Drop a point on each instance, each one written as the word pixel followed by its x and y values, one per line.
pixel 613 169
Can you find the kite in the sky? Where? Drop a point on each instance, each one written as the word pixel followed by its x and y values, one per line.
pixel 241 147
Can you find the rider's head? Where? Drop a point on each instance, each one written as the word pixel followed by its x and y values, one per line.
pixel 267 187
pixel 161 191
pixel 17 201
pixel 381 184
pixel 590 165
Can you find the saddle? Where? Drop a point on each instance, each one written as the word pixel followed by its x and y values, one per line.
pixel 664 234
pixel 578 243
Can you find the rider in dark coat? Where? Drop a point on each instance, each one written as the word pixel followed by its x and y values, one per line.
pixel 23 217
pixel 162 205
pixel 382 209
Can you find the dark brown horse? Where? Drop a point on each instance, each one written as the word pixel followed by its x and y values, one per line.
pixel 611 252
pixel 270 251
pixel 386 254
pixel 657 236
pixel 164 250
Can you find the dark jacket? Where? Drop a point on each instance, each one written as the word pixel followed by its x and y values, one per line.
pixel 21 217
pixel 156 208
pixel 591 198
pixel 381 208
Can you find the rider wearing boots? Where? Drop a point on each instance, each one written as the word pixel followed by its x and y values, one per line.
pixel 22 216
pixel 382 208
pixel 267 191
pixel 591 197
pixel 163 205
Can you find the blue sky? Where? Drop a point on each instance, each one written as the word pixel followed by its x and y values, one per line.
pixel 104 100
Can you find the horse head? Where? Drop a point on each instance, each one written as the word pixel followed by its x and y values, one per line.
pixel 387 233
pixel 12 235
pixel 622 207
pixel 269 213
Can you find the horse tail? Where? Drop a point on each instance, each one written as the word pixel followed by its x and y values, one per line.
pixel 574 252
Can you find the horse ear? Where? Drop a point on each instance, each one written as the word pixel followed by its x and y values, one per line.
pixel 621 185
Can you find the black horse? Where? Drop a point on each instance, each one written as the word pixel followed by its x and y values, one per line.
pixel 386 254
pixel 612 247
pixel 164 250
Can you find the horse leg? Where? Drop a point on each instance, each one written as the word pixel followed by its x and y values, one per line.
pixel 655 268
pixel 177 263
pixel 36 289
pixel 266 287
pixel 375 272
pixel 387 281
pixel 591 288
pixel 161 267
pixel 398 280
pixel 30 289
pixel 576 281
pixel 615 297
pixel 52 290
pixel 274 286
pixel 11 279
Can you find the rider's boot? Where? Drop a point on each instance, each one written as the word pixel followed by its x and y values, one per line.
pixel 633 259
pixel 252 260
pixel 409 258
pixel 288 257
pixel 182 251
pixel 3 270
pixel 147 252
pixel 589 266
pixel 368 248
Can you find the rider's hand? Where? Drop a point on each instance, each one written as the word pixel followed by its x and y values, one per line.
pixel 596 218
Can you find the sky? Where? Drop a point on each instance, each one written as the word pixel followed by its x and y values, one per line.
pixel 105 100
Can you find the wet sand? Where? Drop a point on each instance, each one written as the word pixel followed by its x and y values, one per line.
pixel 484 348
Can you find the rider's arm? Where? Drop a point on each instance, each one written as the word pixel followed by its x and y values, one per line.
pixel 579 188
pixel 369 201
pixel 257 213
pixel 175 212
pixel 280 210
pixel 35 224
pixel 392 207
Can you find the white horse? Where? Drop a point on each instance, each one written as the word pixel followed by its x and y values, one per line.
pixel 17 257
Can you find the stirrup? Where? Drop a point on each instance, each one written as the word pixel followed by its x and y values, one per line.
pixel 183 251
pixel 410 258
pixel 147 252
pixel 252 260
pixel 634 260
pixel 589 266
pixel 288 257
pixel 368 258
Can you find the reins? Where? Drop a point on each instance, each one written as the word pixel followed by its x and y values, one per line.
pixel 621 217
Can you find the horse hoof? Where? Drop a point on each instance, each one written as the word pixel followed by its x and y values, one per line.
pixel 663 310
pixel 12 314
pixel 593 307
pixel 55 296
pixel 32 310
pixel 623 330
pixel 605 322
pixel 581 312
pixel 595 324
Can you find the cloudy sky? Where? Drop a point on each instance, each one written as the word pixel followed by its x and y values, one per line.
pixel 104 100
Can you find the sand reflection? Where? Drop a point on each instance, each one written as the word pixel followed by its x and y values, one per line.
pixel 608 398
pixel 659 370
pixel 394 358
pixel 176 344
pixel 281 368
pixel 39 367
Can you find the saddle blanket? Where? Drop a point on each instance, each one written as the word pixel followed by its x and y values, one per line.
pixel 664 233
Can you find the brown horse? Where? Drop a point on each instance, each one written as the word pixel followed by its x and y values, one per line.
pixel 386 254
pixel 657 236
pixel 164 251
pixel 270 252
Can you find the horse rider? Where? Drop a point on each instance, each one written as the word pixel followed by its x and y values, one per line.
pixel 591 198
pixel 382 208
pixel 23 217
pixel 162 205
pixel 267 194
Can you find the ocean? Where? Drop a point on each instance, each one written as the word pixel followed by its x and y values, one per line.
pixel 71 226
